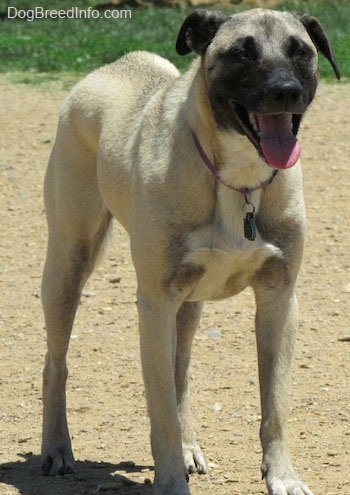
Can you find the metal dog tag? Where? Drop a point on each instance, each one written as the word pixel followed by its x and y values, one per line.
pixel 250 227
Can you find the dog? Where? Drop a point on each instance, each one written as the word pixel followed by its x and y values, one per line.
pixel 202 170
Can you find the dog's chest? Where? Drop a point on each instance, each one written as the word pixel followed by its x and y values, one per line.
pixel 214 274
pixel 220 263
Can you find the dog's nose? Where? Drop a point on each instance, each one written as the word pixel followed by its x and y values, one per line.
pixel 283 91
pixel 286 93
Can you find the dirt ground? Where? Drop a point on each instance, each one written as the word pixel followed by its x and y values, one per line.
pixel 106 405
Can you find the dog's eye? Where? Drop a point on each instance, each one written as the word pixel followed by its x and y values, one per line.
pixel 238 53
pixel 245 49
pixel 299 52
pixel 297 48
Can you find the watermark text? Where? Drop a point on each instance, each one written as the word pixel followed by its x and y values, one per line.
pixel 38 13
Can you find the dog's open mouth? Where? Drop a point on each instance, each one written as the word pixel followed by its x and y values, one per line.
pixel 274 135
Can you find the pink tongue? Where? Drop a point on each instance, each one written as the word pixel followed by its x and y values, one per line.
pixel 280 147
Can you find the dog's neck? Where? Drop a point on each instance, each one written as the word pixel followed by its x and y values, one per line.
pixel 249 224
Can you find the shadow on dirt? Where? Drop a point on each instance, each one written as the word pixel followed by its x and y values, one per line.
pixel 92 478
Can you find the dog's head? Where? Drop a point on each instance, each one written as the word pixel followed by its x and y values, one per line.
pixel 260 71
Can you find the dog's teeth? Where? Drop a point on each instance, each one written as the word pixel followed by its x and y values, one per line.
pixel 254 123
pixel 252 118
pixel 291 122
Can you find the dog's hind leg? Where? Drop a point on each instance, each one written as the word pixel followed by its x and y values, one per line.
pixel 78 223
pixel 186 325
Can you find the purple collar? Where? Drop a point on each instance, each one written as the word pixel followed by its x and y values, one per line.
pixel 243 190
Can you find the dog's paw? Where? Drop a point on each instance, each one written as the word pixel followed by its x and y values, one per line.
pixel 194 459
pixel 171 488
pixel 288 486
pixel 58 462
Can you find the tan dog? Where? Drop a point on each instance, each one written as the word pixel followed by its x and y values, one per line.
pixel 187 165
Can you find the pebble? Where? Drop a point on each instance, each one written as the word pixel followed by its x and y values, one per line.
pixel 217 407
pixel 213 334
pixel 88 293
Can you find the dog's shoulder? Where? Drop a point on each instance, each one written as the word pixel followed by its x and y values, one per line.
pixel 138 66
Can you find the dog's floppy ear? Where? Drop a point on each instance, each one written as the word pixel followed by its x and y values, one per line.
pixel 320 39
pixel 198 31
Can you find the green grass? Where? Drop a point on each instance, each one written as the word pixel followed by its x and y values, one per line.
pixel 78 46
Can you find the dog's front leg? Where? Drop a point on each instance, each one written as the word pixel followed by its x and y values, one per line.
pixel 158 353
pixel 276 327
